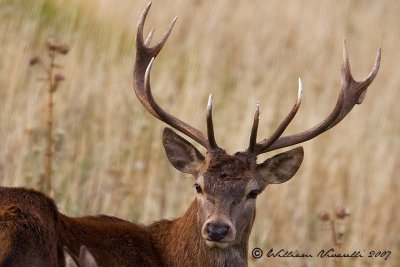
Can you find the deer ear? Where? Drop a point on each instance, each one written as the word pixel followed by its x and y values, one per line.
pixel 182 154
pixel 86 258
pixel 69 258
pixel 280 168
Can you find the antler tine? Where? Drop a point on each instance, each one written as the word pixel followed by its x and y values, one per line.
pixel 371 76
pixel 352 93
pixel 260 147
pixel 169 119
pixel 143 46
pixel 149 37
pixel 145 55
pixel 210 126
pixel 157 48
pixel 142 19
pixel 347 78
pixel 254 129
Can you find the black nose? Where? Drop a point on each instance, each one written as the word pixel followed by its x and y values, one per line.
pixel 217 232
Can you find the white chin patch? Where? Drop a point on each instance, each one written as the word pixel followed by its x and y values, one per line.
pixel 212 244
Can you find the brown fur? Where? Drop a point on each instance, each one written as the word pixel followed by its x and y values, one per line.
pixel 27 229
pixel 180 244
pixel 33 233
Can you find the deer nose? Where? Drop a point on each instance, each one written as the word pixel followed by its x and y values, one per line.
pixel 217 232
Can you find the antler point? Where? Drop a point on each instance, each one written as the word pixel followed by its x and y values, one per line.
pixel 300 91
pixel 174 21
pixel 345 55
pixel 149 5
pixel 209 104
pixel 257 108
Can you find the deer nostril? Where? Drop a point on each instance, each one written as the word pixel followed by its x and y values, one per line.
pixel 217 232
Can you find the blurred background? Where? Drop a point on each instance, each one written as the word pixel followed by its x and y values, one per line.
pixel 108 155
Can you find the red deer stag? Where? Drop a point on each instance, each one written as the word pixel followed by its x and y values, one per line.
pixel 215 229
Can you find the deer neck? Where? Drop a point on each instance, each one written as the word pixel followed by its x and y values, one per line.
pixel 179 243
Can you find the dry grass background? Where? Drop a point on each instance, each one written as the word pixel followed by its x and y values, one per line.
pixel 109 156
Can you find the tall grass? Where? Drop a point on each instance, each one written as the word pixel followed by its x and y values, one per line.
pixel 108 152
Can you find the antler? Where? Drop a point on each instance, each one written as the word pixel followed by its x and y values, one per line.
pixel 352 93
pixel 145 55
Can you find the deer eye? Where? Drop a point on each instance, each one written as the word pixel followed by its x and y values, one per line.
pixel 198 188
pixel 253 194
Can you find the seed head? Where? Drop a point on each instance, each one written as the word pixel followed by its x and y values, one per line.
pixel 324 216
pixel 62 49
pixel 51 44
pixel 59 78
pixel 341 212
pixel 34 60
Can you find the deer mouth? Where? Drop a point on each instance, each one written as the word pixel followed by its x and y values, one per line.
pixel 217 244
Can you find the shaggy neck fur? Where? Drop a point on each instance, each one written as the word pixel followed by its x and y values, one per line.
pixel 179 243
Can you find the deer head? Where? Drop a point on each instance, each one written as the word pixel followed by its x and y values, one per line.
pixel 227 185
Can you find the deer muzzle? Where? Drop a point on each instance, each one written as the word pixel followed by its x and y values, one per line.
pixel 218 233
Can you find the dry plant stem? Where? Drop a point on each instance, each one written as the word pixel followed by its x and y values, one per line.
pixel 49 150
pixel 336 241
pixel 334 234
pixel 53 81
